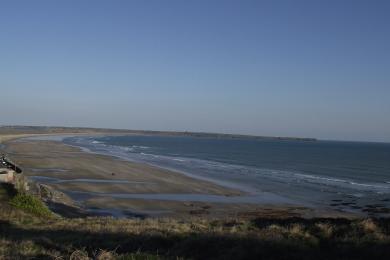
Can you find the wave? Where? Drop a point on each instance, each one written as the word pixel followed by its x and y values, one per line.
pixel 319 177
pixel 327 179
pixel 140 146
pixel 179 160
pixel 149 154
pixel 248 177
pixel 127 149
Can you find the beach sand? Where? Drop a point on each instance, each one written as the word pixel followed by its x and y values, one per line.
pixel 54 159
pixel 74 171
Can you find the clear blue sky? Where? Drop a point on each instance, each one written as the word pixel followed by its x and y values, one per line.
pixel 287 68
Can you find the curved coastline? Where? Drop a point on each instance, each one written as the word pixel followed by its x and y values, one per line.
pixel 103 195
pixel 43 160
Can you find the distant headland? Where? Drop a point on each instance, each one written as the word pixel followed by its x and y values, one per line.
pixel 19 129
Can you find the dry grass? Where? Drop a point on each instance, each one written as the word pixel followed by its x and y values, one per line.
pixel 24 235
pixel 369 226
pixel 107 238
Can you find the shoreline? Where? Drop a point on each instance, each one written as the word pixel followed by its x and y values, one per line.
pixel 49 160
pixel 173 229
pixel 112 191
pixel 226 184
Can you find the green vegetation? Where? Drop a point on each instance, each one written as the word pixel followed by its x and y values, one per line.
pixel 30 204
pixel 24 235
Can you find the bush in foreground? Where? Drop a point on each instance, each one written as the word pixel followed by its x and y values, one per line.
pixel 30 204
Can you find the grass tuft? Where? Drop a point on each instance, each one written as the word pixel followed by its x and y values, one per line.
pixel 30 204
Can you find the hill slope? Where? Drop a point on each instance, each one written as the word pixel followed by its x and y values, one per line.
pixel 27 235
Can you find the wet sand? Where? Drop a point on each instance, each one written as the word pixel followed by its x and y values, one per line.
pixel 65 168
pixel 54 159
pixel 98 185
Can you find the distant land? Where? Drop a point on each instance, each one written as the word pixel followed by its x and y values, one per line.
pixel 16 129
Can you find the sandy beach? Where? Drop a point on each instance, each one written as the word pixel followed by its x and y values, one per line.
pixel 54 159
pixel 83 183
pixel 88 173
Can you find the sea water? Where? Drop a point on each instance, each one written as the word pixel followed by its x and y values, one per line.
pixel 349 176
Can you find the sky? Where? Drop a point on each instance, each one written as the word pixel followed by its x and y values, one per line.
pixel 277 68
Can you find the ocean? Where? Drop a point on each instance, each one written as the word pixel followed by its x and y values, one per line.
pixel 346 176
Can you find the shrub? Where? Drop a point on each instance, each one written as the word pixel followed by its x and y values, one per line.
pixel 30 204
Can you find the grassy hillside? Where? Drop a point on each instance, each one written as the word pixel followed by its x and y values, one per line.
pixel 25 233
